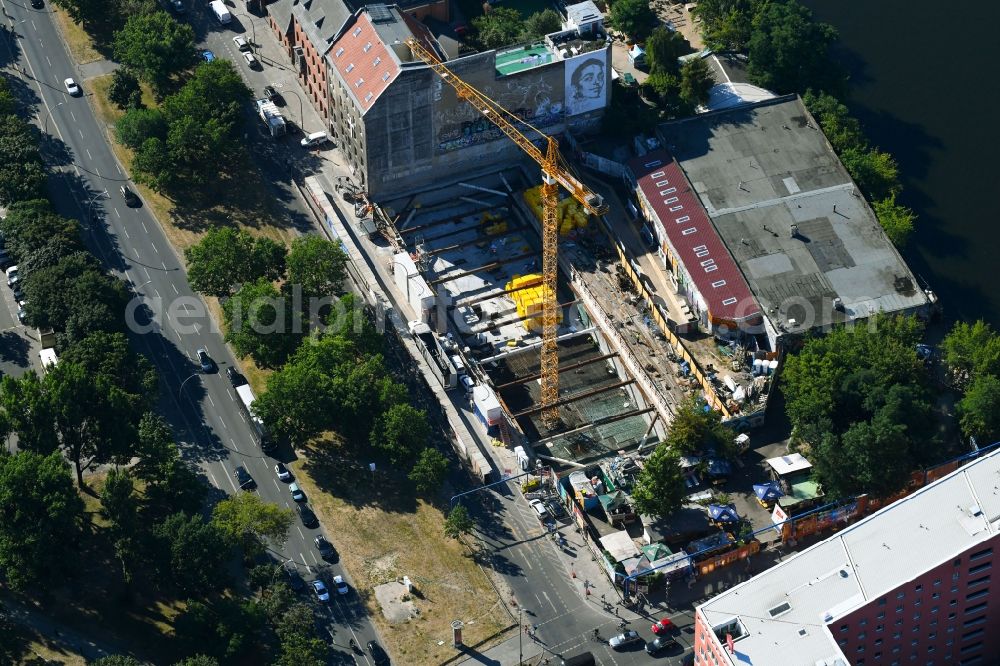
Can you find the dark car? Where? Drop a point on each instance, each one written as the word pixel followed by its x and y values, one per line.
pixel 659 644
pixel 378 654
pixel 272 95
pixel 325 548
pixel 309 518
pixel 244 479
pixel 205 361
pixel 235 378
pixel 130 197
pixel 294 580
pixel 37 4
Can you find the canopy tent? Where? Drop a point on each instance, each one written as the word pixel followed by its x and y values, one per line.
pixel 713 542
pixel 767 492
pixel 723 513
pixel 656 551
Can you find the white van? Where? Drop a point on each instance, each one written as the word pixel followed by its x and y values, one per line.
pixel 12 276
pixel 48 359
pixel 315 139
pixel 220 11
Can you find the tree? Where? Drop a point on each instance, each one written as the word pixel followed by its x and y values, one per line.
pixel 156 48
pixel 226 257
pixel 27 413
pixel 664 89
pixel 972 349
pixel 198 660
pixel 171 486
pixel 298 619
pixel 896 220
pixel 8 103
pixel 540 24
pixel 151 164
pixel 697 428
pixel 979 409
pixel 22 172
pixel 32 225
pixel 192 554
pixel 633 17
pixel 726 25
pixel 124 89
pixel 117 660
pixel 429 472
pixel 296 406
pixel 261 322
pixel 216 91
pixel 120 507
pixel 317 265
pixel 659 490
pixel 42 513
pixel 663 48
pixel 303 650
pixel 139 124
pixel 228 629
pixel 500 26
pixel 458 522
pixel 841 129
pixel 401 433
pixel 788 51
pixel 696 80
pixel 246 520
pixel 875 172
pixel 116 369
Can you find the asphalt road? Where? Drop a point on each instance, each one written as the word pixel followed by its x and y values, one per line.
pixel 203 408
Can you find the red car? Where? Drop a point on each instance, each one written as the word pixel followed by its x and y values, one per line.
pixel 664 626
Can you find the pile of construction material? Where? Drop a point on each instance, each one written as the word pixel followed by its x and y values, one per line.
pixel 529 299
pixel 571 215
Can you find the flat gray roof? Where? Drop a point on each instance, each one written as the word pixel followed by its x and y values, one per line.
pixel 798 227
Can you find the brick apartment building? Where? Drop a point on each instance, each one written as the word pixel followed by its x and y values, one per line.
pixel 910 584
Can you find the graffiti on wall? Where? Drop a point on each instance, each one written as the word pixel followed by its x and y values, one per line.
pixel 529 98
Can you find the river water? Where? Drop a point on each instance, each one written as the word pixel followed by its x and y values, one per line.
pixel 923 95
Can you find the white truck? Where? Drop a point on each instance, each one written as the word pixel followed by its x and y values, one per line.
pixel 220 11
pixel 260 432
pixel 269 113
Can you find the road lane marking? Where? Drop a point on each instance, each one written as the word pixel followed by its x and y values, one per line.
pixel 118 168
pixel 175 288
pixel 164 265
pixel 48 61
pixel 80 132
pixel 146 271
pixel 224 424
pixel 73 116
pixel 276 484
pixel 136 250
pixel 89 155
pixel 115 208
pixel 303 538
pixel 144 227
pixel 212 476
pixel 154 247
pixel 210 400
pixel 126 233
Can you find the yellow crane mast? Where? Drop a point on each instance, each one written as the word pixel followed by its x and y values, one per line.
pixel 554 174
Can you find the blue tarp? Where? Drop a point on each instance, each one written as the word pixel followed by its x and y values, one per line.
pixel 767 492
pixel 723 513
pixel 717 467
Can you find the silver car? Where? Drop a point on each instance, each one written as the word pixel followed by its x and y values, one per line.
pixel 623 640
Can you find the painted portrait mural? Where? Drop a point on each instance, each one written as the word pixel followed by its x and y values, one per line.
pixel 586 83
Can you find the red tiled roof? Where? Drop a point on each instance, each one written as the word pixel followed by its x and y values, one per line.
pixel 693 237
pixel 364 61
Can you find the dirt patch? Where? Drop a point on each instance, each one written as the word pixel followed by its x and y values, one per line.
pixel 382 534
pixel 396 603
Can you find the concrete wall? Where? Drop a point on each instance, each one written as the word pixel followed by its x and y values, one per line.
pixel 419 132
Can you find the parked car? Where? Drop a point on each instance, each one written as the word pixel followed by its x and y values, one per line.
pixel 207 55
pixel 538 506
pixel 178 6
pixel 241 43
pixel 12 276
pixel 664 626
pixel 71 87
pixel 130 197
pixel 314 139
pixel 307 516
pixel 623 640
pixel 338 582
pixel 282 472
pixel 251 60
pixel 297 494
pixel 37 4
pixel 272 95
pixel 243 479
pixel 235 378
pixel 294 579
pixel 325 548
pixel 659 644
pixel 205 361
pixel 22 312
pixel 378 654
pixel 5 260
pixel 319 587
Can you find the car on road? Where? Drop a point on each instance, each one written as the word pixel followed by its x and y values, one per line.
pixel 207 55
pixel 307 516
pixel 659 644
pixel 538 506
pixel 235 378
pixel 71 87
pixel 130 197
pixel 282 472
pixel 22 311
pixel 688 659
pixel 16 290
pixel 205 361
pixel 338 582
pixel 297 493
pixel 314 139
pixel 663 627
pixel 241 43
pixel 319 587
pixel 251 60
pixel 178 6
pixel 556 509
pixel 37 4
pixel 243 479
pixel 5 260
pixel 12 276
pixel 624 639
pixel 272 95
pixel 294 580
pixel 378 654
pixel 324 547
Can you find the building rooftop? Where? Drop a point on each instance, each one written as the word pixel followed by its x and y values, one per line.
pixel 790 214
pixel 692 235
pixel 582 13
pixel 781 616
pixel 520 58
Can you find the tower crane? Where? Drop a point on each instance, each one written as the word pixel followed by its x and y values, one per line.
pixel 554 174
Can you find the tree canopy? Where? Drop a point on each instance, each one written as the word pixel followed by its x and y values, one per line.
pixel 317 265
pixel 22 172
pixel 192 554
pixel 156 48
pixel 660 489
pixel 261 322
pixel 896 220
pixel 429 472
pixel 40 517
pixel 501 26
pixel 663 48
pixel 247 521
pixel 633 17
pixel 788 51
pixel 225 258
pixel 401 433
pixel 696 429
pixel 972 350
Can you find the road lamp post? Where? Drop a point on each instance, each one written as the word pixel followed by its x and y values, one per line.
pixel 302 115
pixel 180 391
pixel 253 27
pixel 90 204
pixel 48 114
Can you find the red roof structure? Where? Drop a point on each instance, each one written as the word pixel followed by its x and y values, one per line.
pixel 364 61
pixel 693 238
